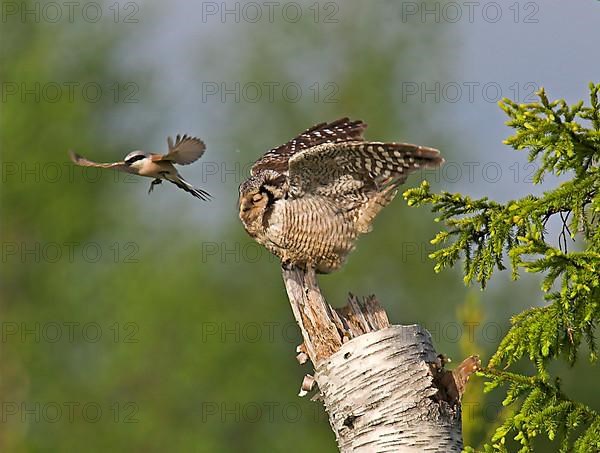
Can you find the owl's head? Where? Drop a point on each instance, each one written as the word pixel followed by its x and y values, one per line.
pixel 259 192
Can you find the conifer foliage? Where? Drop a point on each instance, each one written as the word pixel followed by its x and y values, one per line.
pixel 561 140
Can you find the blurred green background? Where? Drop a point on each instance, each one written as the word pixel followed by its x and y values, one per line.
pixel 153 323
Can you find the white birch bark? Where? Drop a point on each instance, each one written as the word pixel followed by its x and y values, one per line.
pixel 384 387
pixel 378 391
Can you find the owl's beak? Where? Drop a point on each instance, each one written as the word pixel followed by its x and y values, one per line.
pixel 245 205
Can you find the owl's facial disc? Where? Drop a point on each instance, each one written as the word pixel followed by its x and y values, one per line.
pixel 258 193
pixel 254 200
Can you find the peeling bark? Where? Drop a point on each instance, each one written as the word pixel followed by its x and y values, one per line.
pixel 379 394
pixel 384 387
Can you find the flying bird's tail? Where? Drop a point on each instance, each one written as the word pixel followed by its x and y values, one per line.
pixel 183 184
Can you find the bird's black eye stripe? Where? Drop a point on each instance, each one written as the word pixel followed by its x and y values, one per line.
pixel 134 159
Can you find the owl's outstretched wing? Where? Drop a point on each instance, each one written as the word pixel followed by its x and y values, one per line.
pixel 83 162
pixel 341 130
pixel 184 151
pixel 338 169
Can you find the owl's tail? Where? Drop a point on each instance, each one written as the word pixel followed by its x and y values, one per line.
pixel 183 184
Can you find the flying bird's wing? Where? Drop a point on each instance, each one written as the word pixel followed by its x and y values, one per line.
pixel 83 162
pixel 339 170
pixel 341 130
pixel 184 151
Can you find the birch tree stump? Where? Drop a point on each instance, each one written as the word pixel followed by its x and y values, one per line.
pixel 384 387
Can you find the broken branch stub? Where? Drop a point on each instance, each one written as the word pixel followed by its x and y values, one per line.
pixel 384 387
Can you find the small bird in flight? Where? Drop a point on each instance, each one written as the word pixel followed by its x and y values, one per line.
pixel 184 151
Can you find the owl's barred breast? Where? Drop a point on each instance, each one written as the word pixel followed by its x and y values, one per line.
pixel 307 201
pixel 311 230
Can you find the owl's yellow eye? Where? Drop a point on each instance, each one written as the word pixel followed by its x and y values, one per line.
pixel 256 197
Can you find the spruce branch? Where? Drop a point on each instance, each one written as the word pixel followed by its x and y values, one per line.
pixel 561 139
